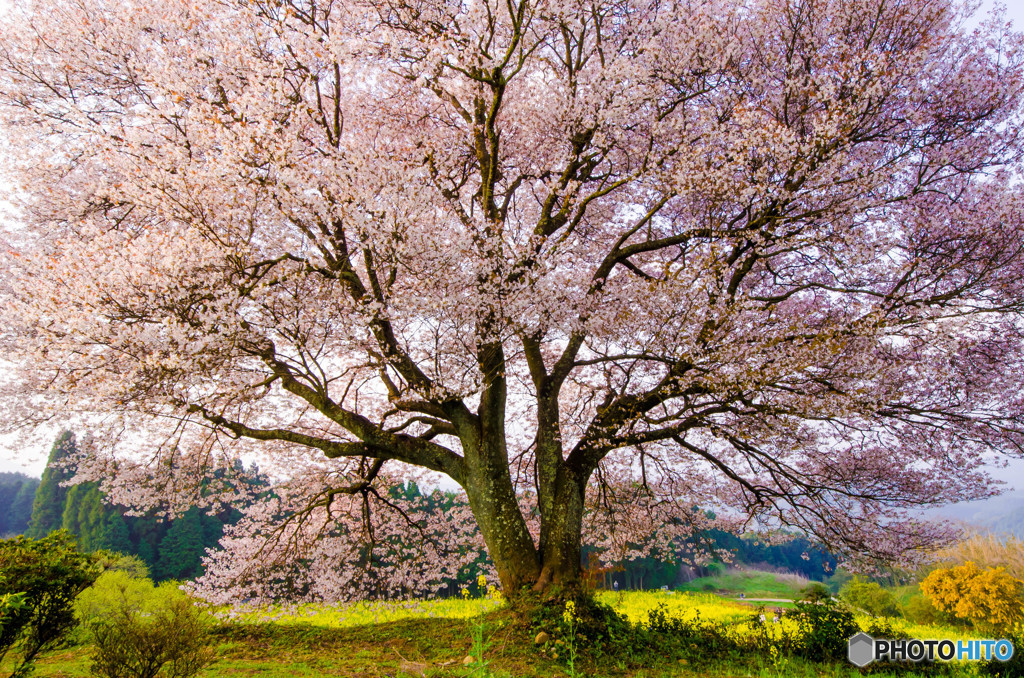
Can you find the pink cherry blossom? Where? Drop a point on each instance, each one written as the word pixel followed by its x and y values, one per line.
pixel 604 265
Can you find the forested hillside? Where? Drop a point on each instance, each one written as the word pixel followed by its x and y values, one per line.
pixel 16 493
pixel 172 549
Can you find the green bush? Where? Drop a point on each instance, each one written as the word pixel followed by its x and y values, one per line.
pixel 1010 669
pixel 920 610
pixel 123 562
pixel 715 569
pixel 838 580
pixel 815 592
pixel 710 636
pixel 10 603
pixel 826 627
pixel 599 629
pixel 886 627
pixel 870 597
pixel 142 631
pixel 42 578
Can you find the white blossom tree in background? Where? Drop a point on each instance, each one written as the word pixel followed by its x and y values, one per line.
pixel 605 264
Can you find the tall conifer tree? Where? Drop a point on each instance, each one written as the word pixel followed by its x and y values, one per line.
pixel 48 506
pixel 181 549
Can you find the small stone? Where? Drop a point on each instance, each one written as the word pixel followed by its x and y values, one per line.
pixel 683 661
pixel 414 668
pixel 542 638
pixel 468 660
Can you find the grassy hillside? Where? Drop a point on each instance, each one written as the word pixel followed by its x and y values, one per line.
pixel 751 583
pixel 432 639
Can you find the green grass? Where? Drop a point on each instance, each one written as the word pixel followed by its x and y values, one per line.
pixel 416 641
pixel 751 583
pixel 433 648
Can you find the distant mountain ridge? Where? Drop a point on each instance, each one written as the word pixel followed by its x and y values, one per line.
pixel 999 515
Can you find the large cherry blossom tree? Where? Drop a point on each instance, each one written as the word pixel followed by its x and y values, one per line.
pixel 604 264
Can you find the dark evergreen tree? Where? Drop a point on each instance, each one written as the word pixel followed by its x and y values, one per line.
pixel 85 515
pixel 147 553
pixel 181 550
pixel 48 505
pixel 115 535
pixel 213 529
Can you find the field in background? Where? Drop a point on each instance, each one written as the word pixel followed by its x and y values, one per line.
pixel 751 583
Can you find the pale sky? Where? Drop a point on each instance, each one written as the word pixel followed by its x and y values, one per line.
pixel 31 457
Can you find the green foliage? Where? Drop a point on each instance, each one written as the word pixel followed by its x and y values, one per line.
pixel 815 592
pixel 48 504
pixel 709 635
pixel 715 569
pixel 10 603
pixel 839 579
pixel 826 627
pixel 920 610
pixel 1014 668
pixel 133 566
pixel 478 634
pixel 115 536
pixel 816 632
pixel 886 627
pixel 597 629
pixel 47 574
pixel 870 597
pixel 85 515
pixel 181 550
pixel 143 631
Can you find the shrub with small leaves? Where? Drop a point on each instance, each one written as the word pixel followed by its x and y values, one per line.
pixel 10 603
pixel 826 627
pixel 42 578
pixel 814 592
pixel 142 631
pixel 870 597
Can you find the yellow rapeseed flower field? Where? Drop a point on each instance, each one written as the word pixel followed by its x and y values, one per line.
pixel 738 620
pixel 363 613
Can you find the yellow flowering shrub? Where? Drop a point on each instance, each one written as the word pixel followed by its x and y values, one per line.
pixel 991 599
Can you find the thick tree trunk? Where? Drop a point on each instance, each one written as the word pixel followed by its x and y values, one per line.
pixel 508 539
pixel 521 565
pixel 561 536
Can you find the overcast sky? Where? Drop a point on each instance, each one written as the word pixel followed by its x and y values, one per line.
pixel 15 457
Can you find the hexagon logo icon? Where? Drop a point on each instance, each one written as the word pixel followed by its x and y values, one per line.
pixel 861 649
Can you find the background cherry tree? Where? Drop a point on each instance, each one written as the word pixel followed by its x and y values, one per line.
pixel 606 265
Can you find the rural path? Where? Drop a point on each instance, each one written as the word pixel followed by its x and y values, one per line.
pixel 766 600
